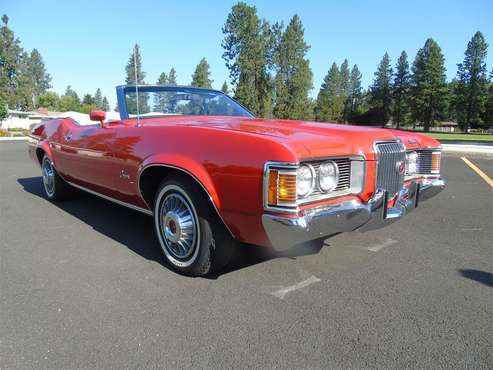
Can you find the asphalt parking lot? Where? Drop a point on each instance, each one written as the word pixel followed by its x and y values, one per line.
pixel 82 285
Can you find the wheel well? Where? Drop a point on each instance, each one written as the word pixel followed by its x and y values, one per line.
pixel 40 153
pixel 151 178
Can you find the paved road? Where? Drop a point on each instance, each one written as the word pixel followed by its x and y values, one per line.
pixel 82 285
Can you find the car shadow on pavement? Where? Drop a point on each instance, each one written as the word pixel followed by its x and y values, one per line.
pixel 482 277
pixel 136 231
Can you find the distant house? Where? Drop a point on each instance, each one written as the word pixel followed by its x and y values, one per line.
pixel 448 126
pixel 25 120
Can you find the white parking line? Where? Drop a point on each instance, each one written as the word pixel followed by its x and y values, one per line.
pixel 281 293
pixel 385 244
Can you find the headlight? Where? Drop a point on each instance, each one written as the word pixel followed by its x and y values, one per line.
pixel 411 163
pixel 328 176
pixel 305 177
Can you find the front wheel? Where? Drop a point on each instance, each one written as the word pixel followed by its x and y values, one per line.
pixel 55 187
pixel 189 233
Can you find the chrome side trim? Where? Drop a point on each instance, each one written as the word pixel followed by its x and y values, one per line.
pixel 190 174
pixel 119 202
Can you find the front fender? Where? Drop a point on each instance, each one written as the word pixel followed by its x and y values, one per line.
pixel 187 165
pixel 45 147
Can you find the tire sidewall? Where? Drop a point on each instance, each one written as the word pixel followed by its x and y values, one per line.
pixel 54 193
pixel 170 187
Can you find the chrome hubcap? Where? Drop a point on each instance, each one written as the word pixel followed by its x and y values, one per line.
pixel 48 177
pixel 178 226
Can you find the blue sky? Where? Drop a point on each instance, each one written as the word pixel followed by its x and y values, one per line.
pixel 87 43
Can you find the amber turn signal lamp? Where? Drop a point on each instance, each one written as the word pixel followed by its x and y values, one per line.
pixel 282 188
pixel 435 162
pixel 287 188
pixel 272 196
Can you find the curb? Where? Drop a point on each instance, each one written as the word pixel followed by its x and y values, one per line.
pixel 14 138
pixel 467 148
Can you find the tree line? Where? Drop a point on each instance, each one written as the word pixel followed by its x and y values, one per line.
pixel 270 74
pixel 25 82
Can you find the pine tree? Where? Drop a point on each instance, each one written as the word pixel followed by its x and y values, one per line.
pixel 400 90
pixel 163 79
pixel 69 101
pixel 201 76
pixel 345 80
pixel 98 99
pixel 135 75
pixel 40 78
pixel 224 88
pixel 355 92
pixel 10 58
pixel 172 77
pixel 134 68
pixel 330 103
pixel 24 90
pixel 161 100
pixel 294 77
pixel 429 88
pixel 472 88
pixel 380 90
pixel 247 44
pixel 87 99
pixel 106 105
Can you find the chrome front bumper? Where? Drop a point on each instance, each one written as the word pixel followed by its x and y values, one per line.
pixel 285 232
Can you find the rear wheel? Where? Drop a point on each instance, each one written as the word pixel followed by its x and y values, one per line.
pixel 192 239
pixel 55 187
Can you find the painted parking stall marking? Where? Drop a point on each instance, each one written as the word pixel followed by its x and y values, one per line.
pixel 476 169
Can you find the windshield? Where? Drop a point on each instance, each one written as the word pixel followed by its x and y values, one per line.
pixel 176 101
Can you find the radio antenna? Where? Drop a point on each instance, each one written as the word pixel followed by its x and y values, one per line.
pixel 136 87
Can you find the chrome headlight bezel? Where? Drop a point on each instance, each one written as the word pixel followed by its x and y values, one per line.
pixel 356 184
pixel 335 176
pixel 411 164
pixel 308 169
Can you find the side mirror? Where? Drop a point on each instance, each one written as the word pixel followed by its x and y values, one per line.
pixel 97 115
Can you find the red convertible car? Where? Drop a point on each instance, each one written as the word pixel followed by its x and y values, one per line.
pixel 210 173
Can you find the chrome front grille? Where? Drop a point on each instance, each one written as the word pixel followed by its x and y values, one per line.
pixel 391 157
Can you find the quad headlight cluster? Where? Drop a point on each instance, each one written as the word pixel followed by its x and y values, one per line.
pixel 287 185
pixel 411 164
pixel 307 178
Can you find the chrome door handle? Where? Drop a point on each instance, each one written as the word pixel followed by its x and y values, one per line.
pixel 68 137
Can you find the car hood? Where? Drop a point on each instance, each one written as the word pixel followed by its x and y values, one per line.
pixel 308 138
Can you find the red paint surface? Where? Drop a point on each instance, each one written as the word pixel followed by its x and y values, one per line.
pixel 226 154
